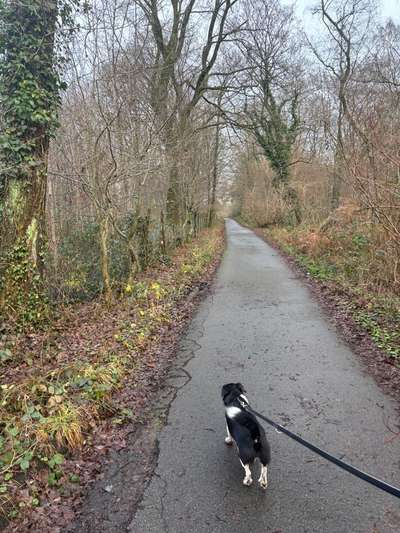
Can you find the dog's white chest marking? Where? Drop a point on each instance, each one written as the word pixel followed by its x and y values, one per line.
pixel 232 411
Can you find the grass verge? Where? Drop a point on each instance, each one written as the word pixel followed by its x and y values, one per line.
pixel 340 259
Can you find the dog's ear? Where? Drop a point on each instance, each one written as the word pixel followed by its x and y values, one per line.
pixel 225 390
pixel 240 387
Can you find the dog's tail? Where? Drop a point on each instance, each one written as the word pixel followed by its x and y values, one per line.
pixel 251 423
pixel 257 443
pixel 252 426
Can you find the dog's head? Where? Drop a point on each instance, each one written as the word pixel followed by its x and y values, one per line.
pixel 231 391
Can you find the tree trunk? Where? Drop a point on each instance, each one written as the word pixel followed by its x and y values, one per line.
pixel 211 214
pixel 142 234
pixel 174 210
pixel 163 235
pixel 25 182
pixel 104 236
pixel 25 211
pixel 51 213
pixel 22 298
pixel 338 162
pixel 134 266
pixel 292 198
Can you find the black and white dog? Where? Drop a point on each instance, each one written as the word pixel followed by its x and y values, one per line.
pixel 243 428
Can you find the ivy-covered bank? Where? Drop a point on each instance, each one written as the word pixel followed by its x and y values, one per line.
pixel 66 391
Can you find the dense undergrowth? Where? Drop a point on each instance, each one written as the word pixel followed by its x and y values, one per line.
pixel 348 258
pixel 57 384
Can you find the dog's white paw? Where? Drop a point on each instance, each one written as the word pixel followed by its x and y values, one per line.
pixel 247 481
pixel 228 441
pixel 263 479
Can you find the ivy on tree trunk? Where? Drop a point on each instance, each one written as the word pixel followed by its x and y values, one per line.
pixel 275 134
pixel 31 33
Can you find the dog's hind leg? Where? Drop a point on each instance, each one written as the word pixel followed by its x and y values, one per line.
pixel 228 438
pixel 263 480
pixel 247 475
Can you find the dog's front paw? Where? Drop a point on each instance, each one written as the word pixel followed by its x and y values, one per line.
pixel 263 483
pixel 228 441
pixel 247 481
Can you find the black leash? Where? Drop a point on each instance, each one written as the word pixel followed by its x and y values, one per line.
pixel 349 468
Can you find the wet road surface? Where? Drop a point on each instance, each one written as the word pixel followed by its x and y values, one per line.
pixel 261 326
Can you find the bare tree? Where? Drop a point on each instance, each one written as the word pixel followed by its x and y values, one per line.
pixel 181 78
pixel 116 148
pixel 346 24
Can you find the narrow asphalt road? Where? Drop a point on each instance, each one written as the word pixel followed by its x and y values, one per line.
pixel 261 327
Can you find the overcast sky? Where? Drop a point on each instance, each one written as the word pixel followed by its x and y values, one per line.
pixel 389 8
